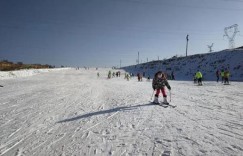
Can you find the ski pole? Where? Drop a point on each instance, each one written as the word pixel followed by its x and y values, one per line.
pixel 170 96
pixel 152 95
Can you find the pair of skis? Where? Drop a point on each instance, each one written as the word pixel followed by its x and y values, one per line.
pixel 165 105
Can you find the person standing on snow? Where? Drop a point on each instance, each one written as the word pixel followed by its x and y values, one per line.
pixel 195 78
pixel 199 78
pixel 222 75
pixel 217 75
pixel 139 77
pixel 127 76
pixel 158 84
pixel 172 76
pixel 109 74
pixel 226 76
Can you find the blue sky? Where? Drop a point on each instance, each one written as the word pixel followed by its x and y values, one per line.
pixel 103 32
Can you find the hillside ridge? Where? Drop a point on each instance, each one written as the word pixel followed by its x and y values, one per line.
pixel 184 67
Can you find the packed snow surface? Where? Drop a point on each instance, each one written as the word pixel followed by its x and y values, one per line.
pixel 72 112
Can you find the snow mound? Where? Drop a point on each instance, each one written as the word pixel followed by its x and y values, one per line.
pixel 25 72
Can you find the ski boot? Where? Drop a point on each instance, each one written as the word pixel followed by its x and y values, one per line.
pixel 156 100
pixel 165 101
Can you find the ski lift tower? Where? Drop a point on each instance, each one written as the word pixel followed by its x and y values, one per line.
pixel 210 47
pixel 232 37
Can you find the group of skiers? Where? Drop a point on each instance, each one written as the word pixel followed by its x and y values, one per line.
pixel 224 74
pixel 160 81
pixel 113 74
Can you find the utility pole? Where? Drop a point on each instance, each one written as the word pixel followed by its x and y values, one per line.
pixel 120 63
pixel 147 60
pixel 187 39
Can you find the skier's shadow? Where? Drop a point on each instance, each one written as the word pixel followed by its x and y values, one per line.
pixel 117 109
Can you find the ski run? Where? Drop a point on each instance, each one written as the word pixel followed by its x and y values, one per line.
pixel 74 112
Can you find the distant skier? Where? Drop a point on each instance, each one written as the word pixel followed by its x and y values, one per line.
pixel 195 78
pixel 127 76
pixel 226 76
pixel 139 77
pixel 222 75
pixel 148 78
pixel 217 75
pixel 118 73
pixel 158 84
pixel 172 76
pixel 98 75
pixel 143 74
pixel 199 78
pixel 109 74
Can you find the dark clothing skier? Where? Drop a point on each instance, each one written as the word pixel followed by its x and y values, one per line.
pixel 172 76
pixel 226 77
pixel 158 84
pixel 217 75
pixel 139 77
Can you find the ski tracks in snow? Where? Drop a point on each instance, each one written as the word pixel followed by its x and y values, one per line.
pixel 73 112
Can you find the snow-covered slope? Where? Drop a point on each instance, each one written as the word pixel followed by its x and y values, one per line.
pixel 72 112
pixel 185 67
pixel 26 72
